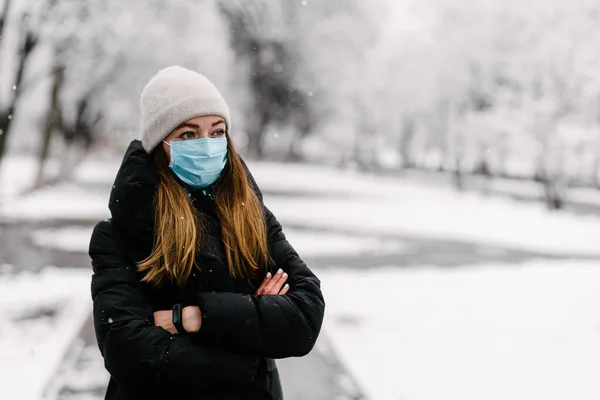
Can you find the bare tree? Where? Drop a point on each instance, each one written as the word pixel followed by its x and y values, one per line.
pixel 27 44
pixel 407 136
pixel 272 66
pixel 4 16
pixel 53 119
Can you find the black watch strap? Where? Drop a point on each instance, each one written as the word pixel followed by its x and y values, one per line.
pixel 178 319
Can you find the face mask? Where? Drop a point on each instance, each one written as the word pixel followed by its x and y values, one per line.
pixel 198 162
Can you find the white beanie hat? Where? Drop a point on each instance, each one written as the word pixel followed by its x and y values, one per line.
pixel 173 96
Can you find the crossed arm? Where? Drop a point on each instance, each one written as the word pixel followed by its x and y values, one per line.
pixel 192 316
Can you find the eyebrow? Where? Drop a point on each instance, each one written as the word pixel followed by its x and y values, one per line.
pixel 188 125
pixel 194 126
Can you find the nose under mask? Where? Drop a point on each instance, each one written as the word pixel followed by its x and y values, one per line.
pixel 198 162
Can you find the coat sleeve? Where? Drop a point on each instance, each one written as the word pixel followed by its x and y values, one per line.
pixel 274 326
pixel 135 351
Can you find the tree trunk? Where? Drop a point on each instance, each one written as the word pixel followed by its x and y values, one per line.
pixel 596 171
pixel 406 140
pixel 294 154
pixel 458 177
pixel 3 16
pixel 53 121
pixel 5 123
pixel 7 114
pixel 256 135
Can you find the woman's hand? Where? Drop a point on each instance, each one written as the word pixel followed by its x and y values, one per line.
pixel 274 284
pixel 191 319
pixel 164 319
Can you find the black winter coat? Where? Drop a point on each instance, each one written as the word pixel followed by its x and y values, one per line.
pixel 232 355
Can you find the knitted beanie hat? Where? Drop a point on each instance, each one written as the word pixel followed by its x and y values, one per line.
pixel 173 96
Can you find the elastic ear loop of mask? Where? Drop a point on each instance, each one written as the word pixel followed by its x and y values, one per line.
pixel 171 161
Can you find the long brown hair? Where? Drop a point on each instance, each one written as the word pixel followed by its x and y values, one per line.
pixel 179 229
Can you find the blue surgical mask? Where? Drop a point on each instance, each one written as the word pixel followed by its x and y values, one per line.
pixel 198 162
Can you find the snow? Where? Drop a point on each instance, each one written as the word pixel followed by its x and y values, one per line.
pixel 487 331
pixel 347 200
pixel 83 375
pixel 72 238
pixel 68 201
pixel 490 332
pixel 308 243
pixel 385 205
pixel 65 201
pixel 315 244
pixel 17 174
pixel 97 171
pixel 40 316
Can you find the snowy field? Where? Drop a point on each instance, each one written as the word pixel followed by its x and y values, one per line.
pixel 307 243
pixel 350 200
pixel 490 332
pixel 501 331
pixel 40 317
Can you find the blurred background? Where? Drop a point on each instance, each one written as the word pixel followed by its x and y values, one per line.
pixel 436 162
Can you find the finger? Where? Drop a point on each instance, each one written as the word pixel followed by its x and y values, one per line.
pixel 263 284
pixel 273 282
pixel 285 289
pixel 278 284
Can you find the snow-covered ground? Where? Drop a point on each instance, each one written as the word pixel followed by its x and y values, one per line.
pixel 487 332
pixel 350 200
pixel 71 238
pixel 307 243
pixel 65 201
pixel 16 175
pixel 387 205
pixel 40 317
pixel 479 332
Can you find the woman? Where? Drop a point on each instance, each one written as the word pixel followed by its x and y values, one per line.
pixel 196 289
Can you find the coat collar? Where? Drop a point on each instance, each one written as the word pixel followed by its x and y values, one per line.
pixel 131 200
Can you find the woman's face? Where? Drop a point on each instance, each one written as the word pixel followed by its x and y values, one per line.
pixel 207 126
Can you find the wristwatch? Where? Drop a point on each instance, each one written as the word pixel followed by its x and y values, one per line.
pixel 178 319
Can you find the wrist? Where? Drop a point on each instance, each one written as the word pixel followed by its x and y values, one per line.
pixel 178 318
pixel 192 319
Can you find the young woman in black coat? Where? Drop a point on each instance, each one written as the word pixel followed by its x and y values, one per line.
pixel 195 288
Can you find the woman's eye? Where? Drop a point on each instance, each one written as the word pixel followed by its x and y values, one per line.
pixel 187 135
pixel 219 132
